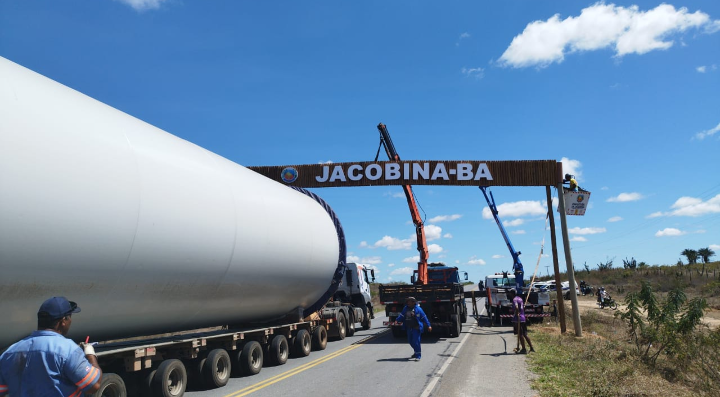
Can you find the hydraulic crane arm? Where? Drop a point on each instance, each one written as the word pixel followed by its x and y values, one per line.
pixel 417 219
pixel 517 264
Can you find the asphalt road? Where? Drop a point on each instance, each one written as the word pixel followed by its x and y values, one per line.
pixel 479 362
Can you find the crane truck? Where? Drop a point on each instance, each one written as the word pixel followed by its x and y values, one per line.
pixel 497 285
pixel 437 288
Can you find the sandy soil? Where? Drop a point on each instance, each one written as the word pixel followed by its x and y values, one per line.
pixel 712 317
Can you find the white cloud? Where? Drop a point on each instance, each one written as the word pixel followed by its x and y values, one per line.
pixel 572 167
pixel 478 73
pixel 434 249
pixel 615 219
pixel 514 222
pixel 465 35
pixel 402 271
pixel 325 162
pixel 578 238
pixel 587 230
pixel 412 259
pixel 669 231
pixel 704 134
pixel 432 232
pixel 393 243
pixel 496 256
pixel 691 206
pixel 701 69
pixel 444 218
pixel 371 260
pixel 600 26
pixel 714 247
pixel 625 197
pixel 475 261
pixel 364 244
pixel 142 5
pixel 391 265
pixel 352 259
pixel 394 194
pixel 518 232
pixel 517 209
pixel 447 235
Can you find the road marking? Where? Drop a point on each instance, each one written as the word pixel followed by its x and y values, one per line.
pixel 445 366
pixel 277 378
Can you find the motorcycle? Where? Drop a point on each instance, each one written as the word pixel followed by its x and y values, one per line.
pixel 586 290
pixel 608 302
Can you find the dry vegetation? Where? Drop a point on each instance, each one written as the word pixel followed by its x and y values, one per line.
pixel 609 361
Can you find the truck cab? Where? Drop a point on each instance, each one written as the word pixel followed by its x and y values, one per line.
pixel 351 304
pixel 497 303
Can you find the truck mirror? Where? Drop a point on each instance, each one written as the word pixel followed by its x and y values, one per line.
pixel 348 276
pixel 412 279
pixel 372 273
pixel 466 276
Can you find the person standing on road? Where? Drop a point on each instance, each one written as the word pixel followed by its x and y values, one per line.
pixel 46 363
pixel 413 319
pixel 519 319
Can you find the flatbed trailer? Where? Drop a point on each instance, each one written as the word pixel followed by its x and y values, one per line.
pixel 164 365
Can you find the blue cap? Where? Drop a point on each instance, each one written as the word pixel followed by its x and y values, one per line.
pixel 57 307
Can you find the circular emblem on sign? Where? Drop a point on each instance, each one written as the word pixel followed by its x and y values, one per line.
pixel 289 175
pixel 580 198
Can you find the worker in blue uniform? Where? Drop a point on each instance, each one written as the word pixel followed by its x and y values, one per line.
pixel 414 320
pixel 52 365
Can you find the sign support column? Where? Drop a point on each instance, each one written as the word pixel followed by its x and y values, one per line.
pixel 556 266
pixel 568 256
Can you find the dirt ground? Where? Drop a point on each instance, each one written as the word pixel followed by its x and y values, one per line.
pixel 586 303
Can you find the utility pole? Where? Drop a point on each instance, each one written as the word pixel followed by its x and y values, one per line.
pixel 568 256
pixel 547 268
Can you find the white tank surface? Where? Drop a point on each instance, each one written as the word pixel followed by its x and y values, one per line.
pixel 145 231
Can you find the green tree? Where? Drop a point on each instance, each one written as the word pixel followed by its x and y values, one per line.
pixel 630 264
pixel 706 254
pixel 691 255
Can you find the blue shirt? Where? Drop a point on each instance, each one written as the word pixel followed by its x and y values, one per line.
pixel 419 315
pixel 46 364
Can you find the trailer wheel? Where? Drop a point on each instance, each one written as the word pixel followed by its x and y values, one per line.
pixel 302 343
pixel 216 369
pixel 278 350
pixel 366 323
pixel 319 338
pixel 111 385
pixel 250 359
pixel 456 327
pixel 342 329
pixel 350 326
pixel 169 380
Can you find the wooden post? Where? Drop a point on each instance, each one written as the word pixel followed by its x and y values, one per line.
pixel 556 266
pixel 568 256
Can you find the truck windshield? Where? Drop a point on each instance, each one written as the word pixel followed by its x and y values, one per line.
pixel 503 282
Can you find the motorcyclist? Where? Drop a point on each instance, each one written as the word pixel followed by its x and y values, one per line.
pixel 602 294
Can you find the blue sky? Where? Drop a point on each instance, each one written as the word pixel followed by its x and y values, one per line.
pixel 625 93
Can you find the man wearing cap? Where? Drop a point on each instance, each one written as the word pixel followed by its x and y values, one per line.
pixel 46 363
pixel 413 318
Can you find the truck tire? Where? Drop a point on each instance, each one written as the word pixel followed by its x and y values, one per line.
pixel 278 350
pixel 302 343
pixel 341 326
pixel 463 314
pixel 456 326
pixel 170 379
pixel 250 359
pixel 367 322
pixel 398 332
pixel 319 338
pixel 350 325
pixel 216 369
pixel 111 385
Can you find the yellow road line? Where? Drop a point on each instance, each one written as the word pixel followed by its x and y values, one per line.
pixel 292 372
